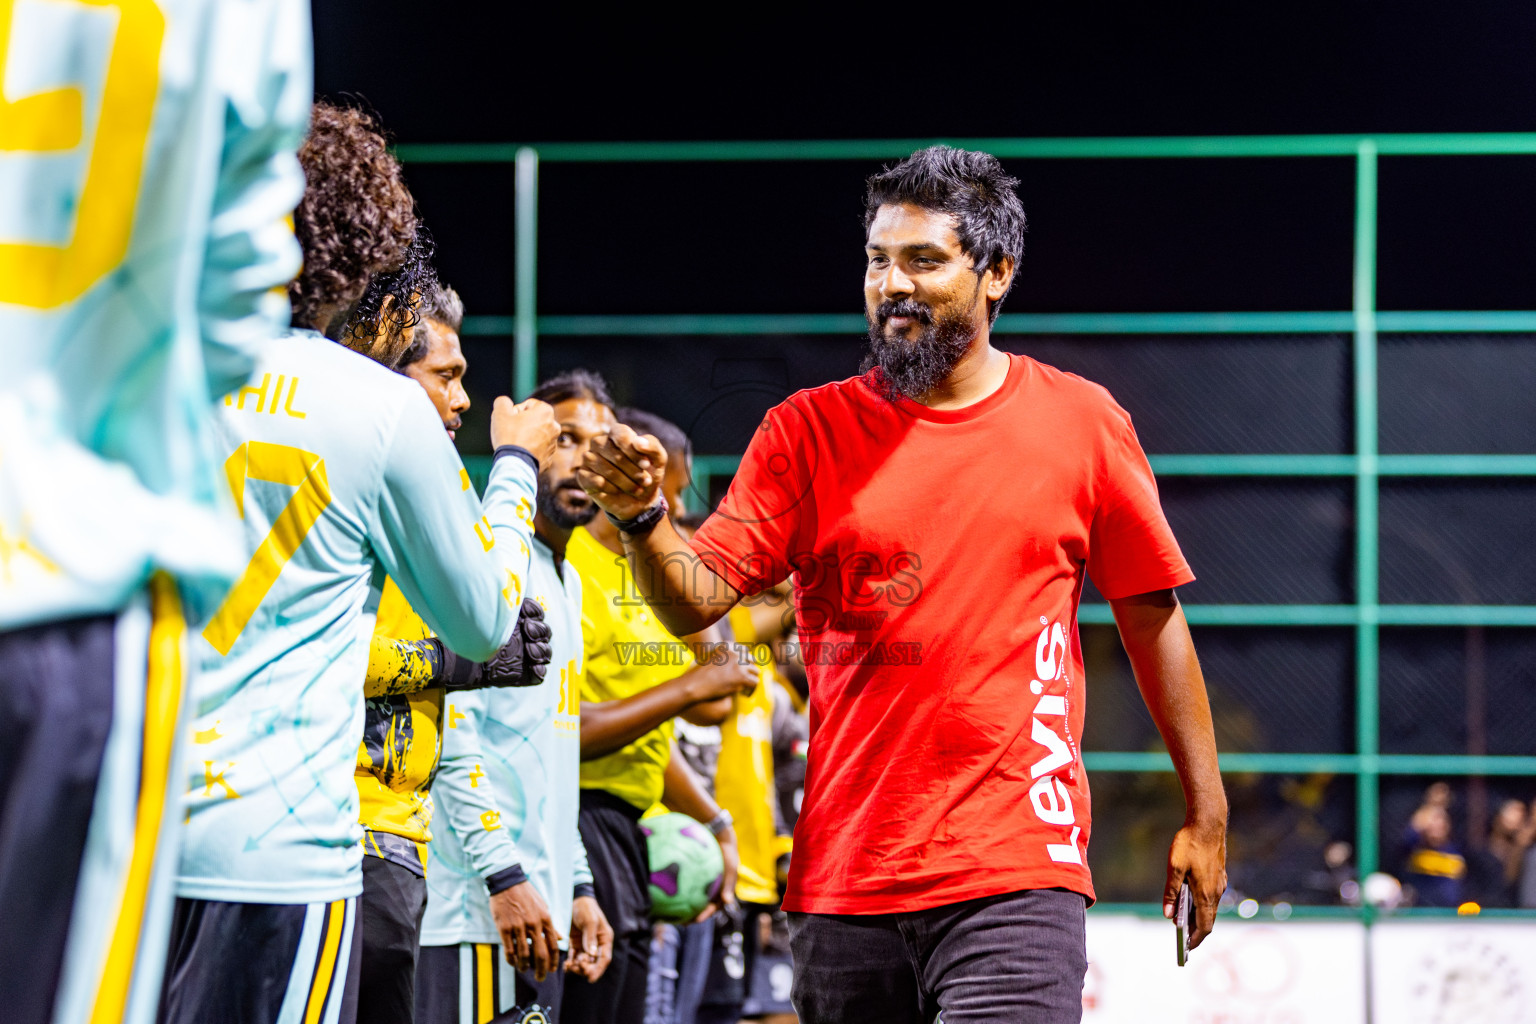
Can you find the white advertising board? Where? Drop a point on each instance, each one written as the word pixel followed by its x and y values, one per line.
pixel 1453 972
pixel 1299 972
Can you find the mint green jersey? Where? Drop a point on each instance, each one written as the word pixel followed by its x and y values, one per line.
pixel 147 173
pixel 343 473
pixel 506 788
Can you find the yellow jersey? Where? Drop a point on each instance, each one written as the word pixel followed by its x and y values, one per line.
pixel 398 755
pixel 627 652
pixel 744 774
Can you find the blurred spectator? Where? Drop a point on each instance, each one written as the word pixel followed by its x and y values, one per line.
pixel 1495 870
pixel 1434 865
pixel 1526 886
pixel 1335 881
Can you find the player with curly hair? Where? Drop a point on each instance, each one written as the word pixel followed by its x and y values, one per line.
pixel 357 221
pixel 343 474
pixel 385 321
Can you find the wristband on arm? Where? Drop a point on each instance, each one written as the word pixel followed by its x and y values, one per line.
pixel 505 879
pixel 643 523
pixel 516 451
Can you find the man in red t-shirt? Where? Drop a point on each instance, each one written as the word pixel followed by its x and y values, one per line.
pixel 940 857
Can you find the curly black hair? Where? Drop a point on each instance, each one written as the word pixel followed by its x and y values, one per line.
pixel 441 304
pixel 970 186
pixel 356 219
pixel 382 323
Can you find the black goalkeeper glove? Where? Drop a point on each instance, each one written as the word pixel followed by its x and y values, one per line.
pixel 522 660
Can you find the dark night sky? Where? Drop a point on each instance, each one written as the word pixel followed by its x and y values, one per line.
pixel 1130 235
pixel 477 72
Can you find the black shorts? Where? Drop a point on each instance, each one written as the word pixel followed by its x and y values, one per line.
pixel 394 898
pixel 252 963
pixel 610 831
pixel 90 730
pixel 55 713
pixel 472 983
pixel 616 853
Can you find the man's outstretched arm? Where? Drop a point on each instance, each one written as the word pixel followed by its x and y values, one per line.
pixel 623 475
pixel 614 724
pixel 1156 637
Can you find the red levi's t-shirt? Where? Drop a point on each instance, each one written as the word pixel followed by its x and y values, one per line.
pixel 938 557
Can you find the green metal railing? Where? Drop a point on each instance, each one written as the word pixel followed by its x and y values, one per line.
pixel 1366 466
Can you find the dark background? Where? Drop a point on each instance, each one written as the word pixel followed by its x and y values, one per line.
pixel 1115 235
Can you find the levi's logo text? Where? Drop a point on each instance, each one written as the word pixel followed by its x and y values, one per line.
pixel 1051 731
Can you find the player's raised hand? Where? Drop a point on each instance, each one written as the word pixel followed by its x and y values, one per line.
pixel 1198 855
pixel 623 472
pixel 529 425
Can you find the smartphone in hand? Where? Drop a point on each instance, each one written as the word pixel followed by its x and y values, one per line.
pixel 1183 922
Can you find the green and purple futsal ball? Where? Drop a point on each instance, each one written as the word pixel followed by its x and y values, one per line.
pixel 686 867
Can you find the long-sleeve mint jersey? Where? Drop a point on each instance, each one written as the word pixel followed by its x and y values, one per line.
pixel 147 171
pixel 344 474
pixel 506 788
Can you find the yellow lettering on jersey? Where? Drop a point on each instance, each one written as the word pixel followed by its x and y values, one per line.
pixel 454 717
pixel 260 394
pixel 208 735
pixel 278 464
pixel 475 777
pixel 48 276
pixel 570 694
pixel 464 478
pixel 512 593
pixel 491 820
pixel 277 393
pixel 487 538
pixel 293 389
pixel 213 778
pixel 17 546
pixel 525 510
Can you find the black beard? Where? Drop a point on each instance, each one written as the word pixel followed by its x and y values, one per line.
pixel 551 509
pixel 913 368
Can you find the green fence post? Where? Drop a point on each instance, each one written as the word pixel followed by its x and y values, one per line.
pixel 1368 613
pixel 525 345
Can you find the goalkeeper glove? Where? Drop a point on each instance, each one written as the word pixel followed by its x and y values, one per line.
pixel 522 660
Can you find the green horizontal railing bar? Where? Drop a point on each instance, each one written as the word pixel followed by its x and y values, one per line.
pixel 1099 614
pixel 1455 321
pixel 1243 614
pixel 1060 148
pixel 1253 465
pixel 1408 321
pixel 1277 465
pixel 1342 465
pixel 1158 761
pixel 1337 764
pixel 1456 465
pixel 721 323
pixel 1454 615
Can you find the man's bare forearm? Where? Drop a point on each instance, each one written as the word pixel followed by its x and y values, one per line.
pixel 686 595
pixel 614 724
pixel 1156 638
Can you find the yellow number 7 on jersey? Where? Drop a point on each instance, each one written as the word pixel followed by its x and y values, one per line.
pixel 278 464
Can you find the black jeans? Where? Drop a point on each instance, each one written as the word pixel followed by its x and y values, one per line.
pixel 1019 957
